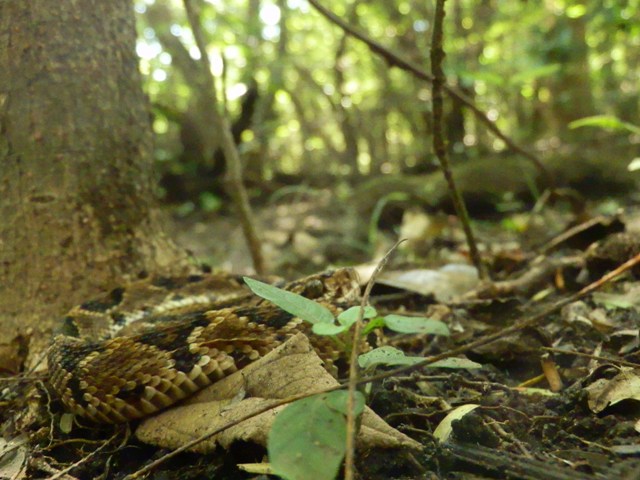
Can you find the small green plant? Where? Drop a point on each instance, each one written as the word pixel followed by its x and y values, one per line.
pixel 606 122
pixel 323 320
pixel 307 437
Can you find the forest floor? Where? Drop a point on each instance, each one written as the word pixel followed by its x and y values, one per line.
pixel 557 399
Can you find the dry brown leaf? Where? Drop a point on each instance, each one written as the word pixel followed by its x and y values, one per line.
pixel 13 457
pixel 604 392
pixel 446 284
pixel 290 369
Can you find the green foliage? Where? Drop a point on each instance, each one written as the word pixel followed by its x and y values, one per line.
pixel 535 72
pixel 210 202
pixel 307 439
pixel 297 305
pixel 345 320
pixel 391 356
pixel 324 323
pixel 608 122
pixel 377 212
pixel 402 324
pixel 519 61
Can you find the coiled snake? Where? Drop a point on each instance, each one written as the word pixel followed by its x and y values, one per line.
pixel 142 348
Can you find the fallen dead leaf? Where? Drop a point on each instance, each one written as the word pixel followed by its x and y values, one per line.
pixel 290 369
pixel 606 392
pixel 446 284
pixel 13 456
pixel 444 429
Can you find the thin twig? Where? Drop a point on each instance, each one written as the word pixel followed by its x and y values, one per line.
pixel 439 143
pixel 535 274
pixel 572 232
pixel 63 472
pixel 349 459
pixel 395 60
pixel 234 183
pixel 600 358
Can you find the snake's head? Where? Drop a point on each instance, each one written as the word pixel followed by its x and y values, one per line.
pixel 344 284
pixel 339 286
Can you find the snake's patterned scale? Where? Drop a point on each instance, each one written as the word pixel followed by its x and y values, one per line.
pixel 174 340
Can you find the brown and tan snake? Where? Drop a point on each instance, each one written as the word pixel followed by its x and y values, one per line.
pixel 140 349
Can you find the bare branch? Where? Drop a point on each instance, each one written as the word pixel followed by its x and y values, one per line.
pixel 395 60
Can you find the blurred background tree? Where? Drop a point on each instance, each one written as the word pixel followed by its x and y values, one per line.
pixel 311 105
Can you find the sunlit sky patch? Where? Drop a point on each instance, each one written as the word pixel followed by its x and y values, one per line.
pixel 236 91
pixel 298 4
pixel 159 75
pixel 270 14
pixel 147 50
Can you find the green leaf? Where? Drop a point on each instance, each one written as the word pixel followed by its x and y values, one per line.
pixel 338 401
pixel 323 328
pixel 373 324
pixel 392 356
pixel 608 122
pixel 576 11
pixel 210 202
pixel 349 317
pixel 534 73
pixel 346 319
pixel 455 362
pixel 386 356
pixel 401 324
pixel 490 78
pixel 308 437
pixel 291 302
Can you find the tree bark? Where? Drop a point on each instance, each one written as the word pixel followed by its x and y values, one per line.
pixel 77 192
pixel 571 90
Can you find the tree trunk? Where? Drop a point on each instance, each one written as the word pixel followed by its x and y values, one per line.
pixel 571 91
pixel 77 193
